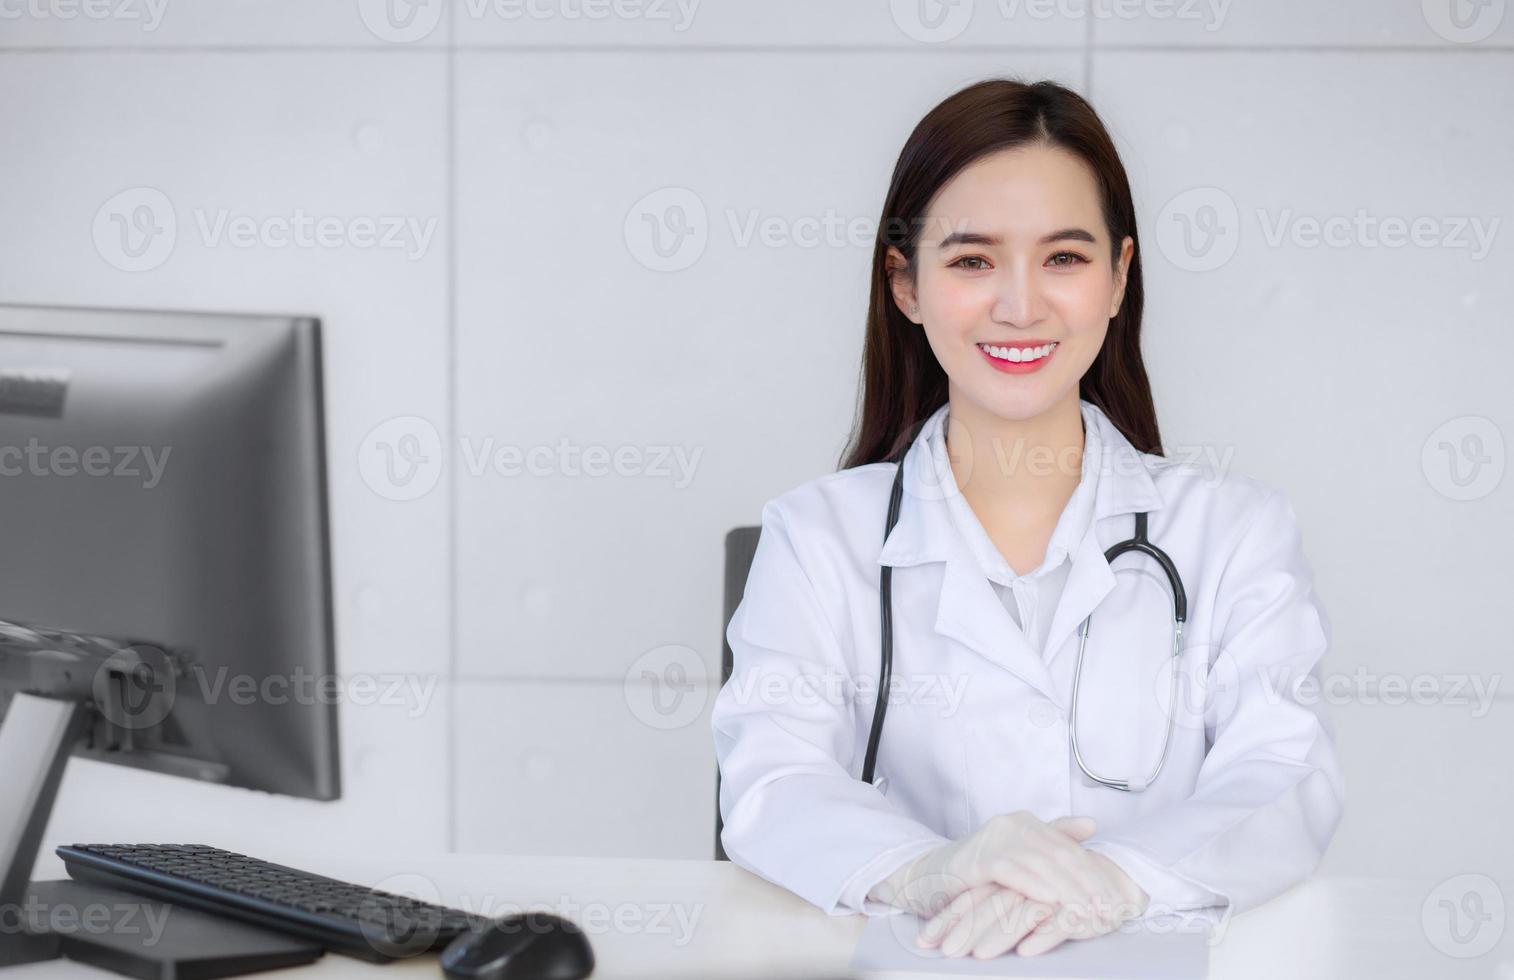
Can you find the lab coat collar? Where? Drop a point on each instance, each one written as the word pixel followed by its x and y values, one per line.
pixel 968 609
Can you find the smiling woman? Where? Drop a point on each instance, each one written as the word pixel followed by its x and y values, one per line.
pixel 1007 440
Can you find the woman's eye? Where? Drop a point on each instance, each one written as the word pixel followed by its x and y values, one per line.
pixel 1072 258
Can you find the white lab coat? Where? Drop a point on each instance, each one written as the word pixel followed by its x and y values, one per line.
pixel 977 724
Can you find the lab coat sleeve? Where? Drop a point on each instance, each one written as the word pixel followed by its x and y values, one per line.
pixel 785 726
pixel 1168 892
pixel 1269 793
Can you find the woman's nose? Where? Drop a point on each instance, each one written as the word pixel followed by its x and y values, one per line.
pixel 1018 300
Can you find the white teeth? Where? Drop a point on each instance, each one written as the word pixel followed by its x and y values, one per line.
pixel 1019 355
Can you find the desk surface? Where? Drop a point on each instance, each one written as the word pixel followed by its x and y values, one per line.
pixel 666 919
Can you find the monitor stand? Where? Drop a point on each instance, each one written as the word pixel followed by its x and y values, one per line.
pixel 36 737
pixel 102 926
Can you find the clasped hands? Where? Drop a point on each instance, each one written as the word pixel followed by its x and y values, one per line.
pixel 1018 883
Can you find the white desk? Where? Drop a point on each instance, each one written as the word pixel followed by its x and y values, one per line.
pixel 709 919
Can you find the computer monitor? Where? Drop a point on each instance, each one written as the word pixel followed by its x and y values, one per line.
pixel 162 485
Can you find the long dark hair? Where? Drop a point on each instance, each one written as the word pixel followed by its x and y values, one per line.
pixel 901 381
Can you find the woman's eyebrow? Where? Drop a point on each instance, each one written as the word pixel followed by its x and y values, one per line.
pixel 977 238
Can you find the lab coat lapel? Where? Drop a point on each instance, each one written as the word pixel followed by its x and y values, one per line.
pixel 970 612
pixel 1088 582
pixel 1123 487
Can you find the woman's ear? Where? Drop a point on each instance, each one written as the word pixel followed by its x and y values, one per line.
pixel 1121 275
pixel 900 283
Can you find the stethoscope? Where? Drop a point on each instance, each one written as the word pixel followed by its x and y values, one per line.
pixel 1137 543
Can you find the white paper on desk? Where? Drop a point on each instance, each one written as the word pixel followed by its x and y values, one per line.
pixel 1168 947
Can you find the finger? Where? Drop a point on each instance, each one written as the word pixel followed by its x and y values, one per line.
pixel 1078 828
pixel 990 916
pixel 1068 888
pixel 1127 899
pixel 1096 881
pixel 930 893
pixel 1132 893
pixel 1101 893
pixel 936 927
pixel 1049 935
pixel 1021 870
pixel 1082 921
pixel 1021 919
pixel 1017 875
pixel 965 919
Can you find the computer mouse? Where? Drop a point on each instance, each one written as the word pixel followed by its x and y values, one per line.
pixel 525 946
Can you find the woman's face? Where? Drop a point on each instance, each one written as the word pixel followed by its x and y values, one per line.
pixel 1014 259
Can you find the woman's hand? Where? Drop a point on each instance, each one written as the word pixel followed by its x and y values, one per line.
pixel 990 920
pixel 1043 862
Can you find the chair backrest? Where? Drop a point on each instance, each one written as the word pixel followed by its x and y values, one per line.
pixel 740 547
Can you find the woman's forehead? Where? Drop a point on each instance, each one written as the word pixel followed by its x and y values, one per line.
pixel 1017 194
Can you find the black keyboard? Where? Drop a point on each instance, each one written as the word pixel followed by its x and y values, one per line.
pixel 346 918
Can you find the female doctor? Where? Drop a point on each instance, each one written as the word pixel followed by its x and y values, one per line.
pixel 1025 784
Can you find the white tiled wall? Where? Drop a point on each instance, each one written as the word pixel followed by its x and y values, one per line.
pixel 566 626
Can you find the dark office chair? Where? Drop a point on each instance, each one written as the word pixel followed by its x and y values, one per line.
pixel 740 546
